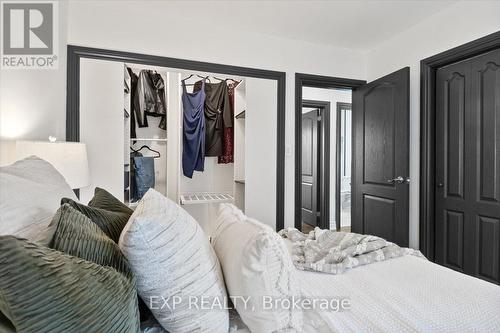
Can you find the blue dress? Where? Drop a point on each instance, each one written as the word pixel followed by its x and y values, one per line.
pixel 193 153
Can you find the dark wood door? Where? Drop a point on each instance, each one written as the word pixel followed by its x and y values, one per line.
pixel 310 168
pixel 380 158
pixel 468 166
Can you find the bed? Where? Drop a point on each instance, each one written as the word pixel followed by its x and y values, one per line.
pixel 406 294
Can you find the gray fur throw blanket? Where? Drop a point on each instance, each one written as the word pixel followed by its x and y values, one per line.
pixel 334 252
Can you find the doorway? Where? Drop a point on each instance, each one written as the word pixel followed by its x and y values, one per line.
pixel 374 195
pixel 315 164
pixel 460 203
pixel 321 164
pixel 331 98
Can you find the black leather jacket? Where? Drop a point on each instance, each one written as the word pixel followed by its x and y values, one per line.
pixel 149 98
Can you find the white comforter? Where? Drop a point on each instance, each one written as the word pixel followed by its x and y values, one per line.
pixel 406 294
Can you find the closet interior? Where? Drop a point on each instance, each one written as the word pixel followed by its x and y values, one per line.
pixel 145 132
pixel 149 106
pixel 144 128
pixel 223 176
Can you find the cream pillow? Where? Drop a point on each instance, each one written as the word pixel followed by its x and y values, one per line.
pixel 173 262
pixel 256 266
pixel 30 194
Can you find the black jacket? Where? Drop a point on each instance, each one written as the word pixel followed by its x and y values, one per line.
pixel 149 99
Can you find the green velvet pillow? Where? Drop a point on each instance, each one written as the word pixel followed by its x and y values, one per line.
pixel 106 211
pixel 6 325
pixel 105 200
pixel 74 233
pixel 45 290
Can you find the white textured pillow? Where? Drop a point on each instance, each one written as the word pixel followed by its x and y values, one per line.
pixel 30 194
pixel 171 257
pixel 256 264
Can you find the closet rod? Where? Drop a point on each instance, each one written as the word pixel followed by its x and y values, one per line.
pixel 148 139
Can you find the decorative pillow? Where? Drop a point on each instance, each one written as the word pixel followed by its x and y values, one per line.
pixel 172 260
pixel 6 325
pixel 44 290
pixel 106 211
pixel 256 264
pixel 30 193
pixel 105 200
pixel 73 233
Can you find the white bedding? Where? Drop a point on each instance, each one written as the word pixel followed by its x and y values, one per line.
pixel 406 294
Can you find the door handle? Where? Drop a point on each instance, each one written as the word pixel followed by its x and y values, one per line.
pixel 397 180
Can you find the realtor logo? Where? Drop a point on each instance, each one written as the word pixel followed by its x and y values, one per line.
pixel 29 34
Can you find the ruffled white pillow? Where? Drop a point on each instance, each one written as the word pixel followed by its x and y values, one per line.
pixel 257 268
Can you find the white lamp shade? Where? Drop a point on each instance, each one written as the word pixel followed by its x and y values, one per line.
pixel 69 158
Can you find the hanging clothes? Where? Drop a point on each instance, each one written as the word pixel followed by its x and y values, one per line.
pixel 228 135
pixel 133 195
pixel 133 90
pixel 160 105
pixel 148 99
pixel 193 136
pixel 217 115
pixel 144 174
pixel 145 98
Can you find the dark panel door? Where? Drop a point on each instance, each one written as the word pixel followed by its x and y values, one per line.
pixel 310 174
pixel 380 158
pixel 468 166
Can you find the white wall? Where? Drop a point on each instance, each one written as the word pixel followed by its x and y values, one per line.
pixel 454 26
pixel 102 128
pixel 33 102
pixel 333 96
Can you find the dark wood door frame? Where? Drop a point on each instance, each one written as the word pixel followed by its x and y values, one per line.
pixel 324 186
pixel 75 53
pixel 338 156
pixel 314 81
pixel 428 68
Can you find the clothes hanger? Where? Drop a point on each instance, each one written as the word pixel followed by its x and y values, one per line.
pixel 190 76
pixel 192 84
pixel 235 81
pixel 147 147
pixel 228 79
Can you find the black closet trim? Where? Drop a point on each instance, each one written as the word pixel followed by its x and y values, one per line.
pixel 75 53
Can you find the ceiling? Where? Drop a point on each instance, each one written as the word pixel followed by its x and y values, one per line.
pixel 351 24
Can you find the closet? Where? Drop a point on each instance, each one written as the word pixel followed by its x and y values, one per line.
pixel 107 127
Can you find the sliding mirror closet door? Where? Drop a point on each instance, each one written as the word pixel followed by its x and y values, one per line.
pixel 261 150
pixel 101 124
